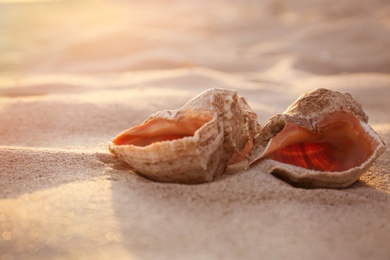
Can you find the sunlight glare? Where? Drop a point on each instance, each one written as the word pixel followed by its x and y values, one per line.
pixel 25 1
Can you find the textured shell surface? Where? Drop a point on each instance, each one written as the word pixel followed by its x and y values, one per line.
pixel 193 144
pixel 321 141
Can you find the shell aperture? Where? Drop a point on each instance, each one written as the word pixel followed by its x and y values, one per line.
pixel 337 142
pixel 161 129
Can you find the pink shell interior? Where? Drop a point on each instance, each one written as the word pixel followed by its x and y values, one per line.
pixel 338 142
pixel 161 129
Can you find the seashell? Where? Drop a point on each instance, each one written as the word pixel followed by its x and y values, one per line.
pixel 193 144
pixel 321 141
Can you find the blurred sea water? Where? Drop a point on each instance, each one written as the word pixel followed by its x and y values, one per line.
pixel 97 36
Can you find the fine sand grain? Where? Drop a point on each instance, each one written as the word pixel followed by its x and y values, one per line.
pixel 73 75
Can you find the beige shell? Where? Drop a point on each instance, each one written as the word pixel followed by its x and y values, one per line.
pixel 321 141
pixel 193 144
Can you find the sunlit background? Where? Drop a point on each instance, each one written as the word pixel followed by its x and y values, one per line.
pixel 99 36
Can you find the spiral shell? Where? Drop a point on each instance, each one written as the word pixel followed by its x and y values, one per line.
pixel 193 144
pixel 321 141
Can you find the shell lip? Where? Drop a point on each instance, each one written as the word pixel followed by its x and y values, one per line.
pixel 194 138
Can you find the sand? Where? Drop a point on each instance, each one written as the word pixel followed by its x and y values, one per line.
pixel 74 75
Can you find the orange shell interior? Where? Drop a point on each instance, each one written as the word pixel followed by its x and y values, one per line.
pixel 339 143
pixel 161 129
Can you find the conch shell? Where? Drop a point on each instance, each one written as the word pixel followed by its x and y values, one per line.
pixel 193 144
pixel 321 141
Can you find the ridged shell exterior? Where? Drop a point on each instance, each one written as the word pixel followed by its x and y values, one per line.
pixel 203 156
pixel 305 112
pixel 323 101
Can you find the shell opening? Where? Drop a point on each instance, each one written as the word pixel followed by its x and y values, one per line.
pixel 162 129
pixel 338 142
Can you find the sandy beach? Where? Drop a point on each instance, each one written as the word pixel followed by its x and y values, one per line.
pixel 73 74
